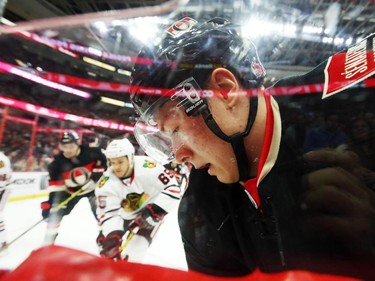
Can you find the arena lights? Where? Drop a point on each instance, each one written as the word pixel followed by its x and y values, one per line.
pixel 26 75
pixel 116 102
pixel 259 27
pixel 255 28
pixel 77 48
pixel 144 30
pixel 99 64
pixel 6 22
pixel 112 101
pixel 85 121
pixel 67 52
pixel 85 83
pixel 123 72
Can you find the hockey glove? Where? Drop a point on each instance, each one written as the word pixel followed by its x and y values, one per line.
pixel 100 240
pixel 46 208
pixel 110 245
pixel 148 218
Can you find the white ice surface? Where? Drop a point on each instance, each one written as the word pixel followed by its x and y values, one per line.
pixel 78 230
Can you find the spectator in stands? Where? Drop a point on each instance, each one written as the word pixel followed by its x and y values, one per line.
pixel 362 142
pixel 296 131
pixel 328 135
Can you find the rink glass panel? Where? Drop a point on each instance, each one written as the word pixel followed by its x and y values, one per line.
pixel 72 72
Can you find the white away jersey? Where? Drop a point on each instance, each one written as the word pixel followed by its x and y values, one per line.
pixel 119 200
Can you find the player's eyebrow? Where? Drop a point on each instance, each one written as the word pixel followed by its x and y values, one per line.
pixel 161 124
pixel 164 117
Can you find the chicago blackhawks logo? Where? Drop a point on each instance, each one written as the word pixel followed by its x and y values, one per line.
pixel 134 201
pixel 149 164
pixel 102 181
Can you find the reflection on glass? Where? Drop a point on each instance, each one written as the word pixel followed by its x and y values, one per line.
pixel 70 67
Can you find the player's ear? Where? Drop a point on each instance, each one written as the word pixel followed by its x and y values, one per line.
pixel 225 85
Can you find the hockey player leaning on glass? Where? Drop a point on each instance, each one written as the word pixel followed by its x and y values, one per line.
pixel 73 174
pixel 133 196
pixel 253 201
pixel 5 176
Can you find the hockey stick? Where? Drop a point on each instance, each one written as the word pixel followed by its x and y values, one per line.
pixel 54 209
pixel 129 235
pixel 22 234
pixel 67 200
pixel 73 195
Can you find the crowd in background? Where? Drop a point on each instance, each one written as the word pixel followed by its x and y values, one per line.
pixel 45 97
pixel 307 129
pixel 16 145
pixel 334 128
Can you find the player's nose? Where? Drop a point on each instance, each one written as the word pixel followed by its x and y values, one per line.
pixel 183 153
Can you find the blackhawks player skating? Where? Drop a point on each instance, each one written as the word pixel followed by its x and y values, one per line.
pixel 133 197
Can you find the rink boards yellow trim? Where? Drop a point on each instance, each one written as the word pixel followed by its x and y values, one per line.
pixel 28 196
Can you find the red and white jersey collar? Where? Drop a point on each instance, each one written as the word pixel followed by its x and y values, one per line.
pixel 270 148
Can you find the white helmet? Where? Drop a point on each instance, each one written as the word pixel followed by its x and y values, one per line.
pixel 119 148
pixel 5 170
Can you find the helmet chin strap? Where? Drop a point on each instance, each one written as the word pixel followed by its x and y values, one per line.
pixel 236 140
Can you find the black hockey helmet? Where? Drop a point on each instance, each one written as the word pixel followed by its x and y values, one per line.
pixel 193 49
pixel 180 67
pixel 69 137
